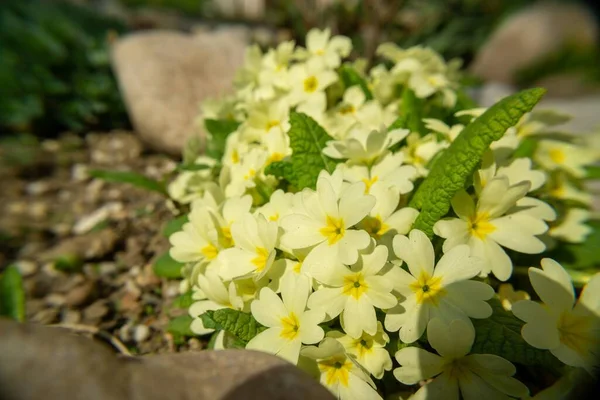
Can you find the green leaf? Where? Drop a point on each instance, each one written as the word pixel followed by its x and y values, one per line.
pixel 174 225
pixel 181 326
pixel 526 148
pixel 132 178
pixel 350 77
pixel 192 167
pixel 500 334
pixel 191 150
pixel 460 160
pixel 219 130
pixel 307 140
pixel 166 267
pixel 184 301
pixel 592 172
pixel 411 109
pixel 240 324
pixel 12 296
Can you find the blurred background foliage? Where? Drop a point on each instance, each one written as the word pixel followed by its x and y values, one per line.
pixel 55 72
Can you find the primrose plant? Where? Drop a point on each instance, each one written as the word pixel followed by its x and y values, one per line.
pixel 364 224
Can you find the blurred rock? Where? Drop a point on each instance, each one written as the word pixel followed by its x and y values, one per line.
pixel 165 75
pixel 241 9
pixel 50 364
pixel 530 34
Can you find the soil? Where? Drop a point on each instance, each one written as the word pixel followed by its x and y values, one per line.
pixel 84 246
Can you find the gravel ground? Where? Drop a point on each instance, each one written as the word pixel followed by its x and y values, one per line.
pixel 86 246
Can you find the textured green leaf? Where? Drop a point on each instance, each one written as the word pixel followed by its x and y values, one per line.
pixel 240 324
pixel 12 296
pixel 500 334
pixel 132 178
pixel 174 225
pixel 350 77
pixel 307 140
pixel 181 326
pixel 460 160
pixel 166 267
pixel 219 130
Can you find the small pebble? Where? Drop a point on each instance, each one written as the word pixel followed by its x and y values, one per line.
pixel 55 299
pixel 141 333
pixel 79 172
pixel 80 294
pixel 94 313
pixel 45 317
pixel 70 317
pixel 107 268
pixel 125 332
pixel 27 268
pixel 37 188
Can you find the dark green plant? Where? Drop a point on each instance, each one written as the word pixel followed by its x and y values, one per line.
pixel 55 72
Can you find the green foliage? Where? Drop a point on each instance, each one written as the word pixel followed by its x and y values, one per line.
pixel 581 256
pixel 180 326
pixel 132 178
pixel 184 301
pixel 240 324
pixel 350 77
pixel 174 225
pixel 12 296
pixel 411 110
pixel 189 7
pixel 55 71
pixel 526 148
pixel 219 131
pixel 307 140
pixel 457 164
pixel 166 267
pixel 592 172
pixel 500 334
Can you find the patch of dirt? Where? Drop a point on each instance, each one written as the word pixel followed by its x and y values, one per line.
pixel 86 246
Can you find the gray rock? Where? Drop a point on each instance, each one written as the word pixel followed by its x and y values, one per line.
pixel 48 363
pixel 165 75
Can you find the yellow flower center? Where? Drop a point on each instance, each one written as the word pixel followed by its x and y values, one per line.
pixel 290 327
pixel 428 289
pixel 347 109
pixel 576 332
pixel 336 370
pixel 271 124
pixel 480 225
pixel 374 226
pixel 334 230
pixel 298 267
pixel 235 156
pixel 354 285
pixel 363 345
pixel 210 251
pixel 369 183
pixel 310 84
pixel 260 261
pixel 274 217
pixel 557 155
pixel 227 238
pixel 320 52
pixel 275 157
pixel 250 174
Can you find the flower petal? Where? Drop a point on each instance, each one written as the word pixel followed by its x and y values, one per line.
pixel 540 330
pixel 417 364
pixel 553 284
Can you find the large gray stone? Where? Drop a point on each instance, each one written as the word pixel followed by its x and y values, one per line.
pixel 164 76
pixel 45 363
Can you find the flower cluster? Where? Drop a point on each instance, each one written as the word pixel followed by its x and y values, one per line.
pixel 334 271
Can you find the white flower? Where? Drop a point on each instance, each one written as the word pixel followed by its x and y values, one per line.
pixel 368 350
pixel 198 241
pixel 275 65
pixel 326 221
pixel 232 209
pixel 339 373
pixel 570 330
pixel 278 206
pixel 244 175
pixel 439 126
pixel 255 239
pixel 307 80
pixel 562 188
pixel 475 376
pixel 552 154
pixel 444 292
pixel 572 228
pixel 266 117
pixel 363 146
pixel 326 49
pixel 489 224
pixel 420 150
pixel 385 219
pixel 289 323
pixel 387 170
pixel 355 293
